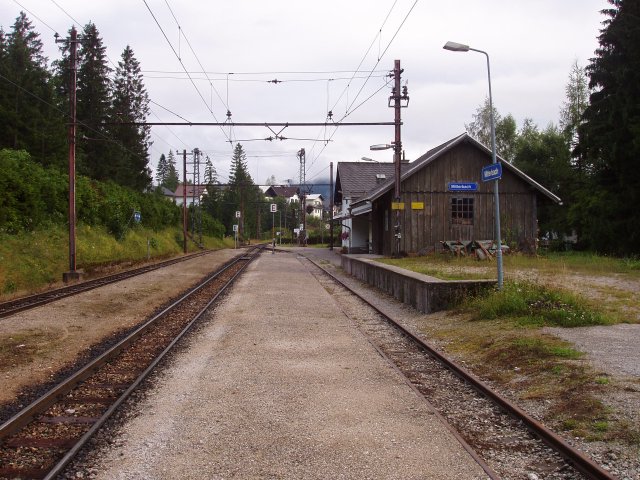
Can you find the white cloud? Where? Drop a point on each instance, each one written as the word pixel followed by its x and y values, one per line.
pixel 532 46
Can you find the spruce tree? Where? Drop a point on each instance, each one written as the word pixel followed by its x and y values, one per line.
pixel 210 174
pixel 242 195
pixel 29 107
pixel 162 170
pixel 130 105
pixel 609 137
pixel 95 153
pixel 172 180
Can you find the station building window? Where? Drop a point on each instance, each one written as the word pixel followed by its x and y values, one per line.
pixel 462 211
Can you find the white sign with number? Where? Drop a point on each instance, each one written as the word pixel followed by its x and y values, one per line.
pixel 274 208
pixel 235 228
pixel 238 214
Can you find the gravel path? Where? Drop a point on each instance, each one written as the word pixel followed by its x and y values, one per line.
pixel 280 384
pixel 613 349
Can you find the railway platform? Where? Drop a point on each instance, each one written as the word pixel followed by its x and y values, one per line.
pixel 278 383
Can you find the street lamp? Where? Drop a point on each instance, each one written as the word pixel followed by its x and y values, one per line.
pixel 460 47
pixel 367 159
pixel 395 204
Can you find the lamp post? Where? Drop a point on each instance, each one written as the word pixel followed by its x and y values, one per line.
pixel 459 47
pixel 395 205
pixel 367 159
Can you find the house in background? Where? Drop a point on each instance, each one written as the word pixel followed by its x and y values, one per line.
pixel 444 199
pixel 281 191
pixel 314 204
pixel 194 194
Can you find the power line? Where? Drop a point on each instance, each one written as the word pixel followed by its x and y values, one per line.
pixel 183 66
pixel 283 72
pixel 66 115
pixel 171 112
pixel 259 80
pixel 79 24
pixel 194 54
pixel 347 113
pixel 36 17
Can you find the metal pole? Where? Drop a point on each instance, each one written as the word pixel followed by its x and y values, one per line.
pixel 330 205
pixel 184 200
pixel 496 197
pixel 397 149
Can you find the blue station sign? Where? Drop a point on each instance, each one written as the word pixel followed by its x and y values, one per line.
pixel 492 172
pixel 462 186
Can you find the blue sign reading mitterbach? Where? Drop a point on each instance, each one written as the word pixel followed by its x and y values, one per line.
pixel 462 186
pixel 492 172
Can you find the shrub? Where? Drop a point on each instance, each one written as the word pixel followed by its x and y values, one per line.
pixel 535 304
pixel 32 196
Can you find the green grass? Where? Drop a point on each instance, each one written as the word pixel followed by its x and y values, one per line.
pixel 441 267
pixel 447 267
pixel 532 305
pixel 32 260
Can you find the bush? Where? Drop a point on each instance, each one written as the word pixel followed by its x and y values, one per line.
pixel 32 196
pixel 535 304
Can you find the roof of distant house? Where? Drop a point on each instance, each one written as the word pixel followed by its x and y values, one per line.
pixel 191 190
pixel 282 191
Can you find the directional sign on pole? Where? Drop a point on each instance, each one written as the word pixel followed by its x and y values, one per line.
pixel 492 172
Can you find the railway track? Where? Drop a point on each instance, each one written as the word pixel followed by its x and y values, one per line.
pixel 40 440
pixel 504 440
pixel 12 307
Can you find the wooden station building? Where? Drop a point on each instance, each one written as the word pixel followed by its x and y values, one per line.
pixel 442 198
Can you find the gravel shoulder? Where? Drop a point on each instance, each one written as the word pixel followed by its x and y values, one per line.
pixel 56 335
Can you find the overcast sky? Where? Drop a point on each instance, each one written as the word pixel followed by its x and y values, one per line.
pixel 314 48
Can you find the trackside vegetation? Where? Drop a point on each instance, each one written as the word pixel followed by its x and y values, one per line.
pixel 504 334
pixel 531 304
pixel 34 228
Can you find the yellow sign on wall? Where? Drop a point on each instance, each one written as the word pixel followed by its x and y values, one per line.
pixel 397 205
pixel 417 205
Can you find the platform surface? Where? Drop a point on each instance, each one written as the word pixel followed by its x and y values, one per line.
pixel 279 383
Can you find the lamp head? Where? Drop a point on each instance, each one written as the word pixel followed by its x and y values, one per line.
pixel 456 47
pixel 382 146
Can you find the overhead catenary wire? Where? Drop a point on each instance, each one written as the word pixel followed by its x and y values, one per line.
pixel 184 67
pixel 181 32
pixel 346 89
pixel 66 115
pixel 349 112
pixel 79 24
pixel 36 17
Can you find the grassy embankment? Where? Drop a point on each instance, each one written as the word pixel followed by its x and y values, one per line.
pixel 502 336
pixel 31 261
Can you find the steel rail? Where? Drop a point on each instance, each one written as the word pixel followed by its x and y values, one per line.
pixel 579 460
pixel 32 411
pixel 28 302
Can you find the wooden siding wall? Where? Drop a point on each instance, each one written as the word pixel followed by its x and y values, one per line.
pixel 425 229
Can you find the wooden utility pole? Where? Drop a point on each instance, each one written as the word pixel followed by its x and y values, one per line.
pixel 72 274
